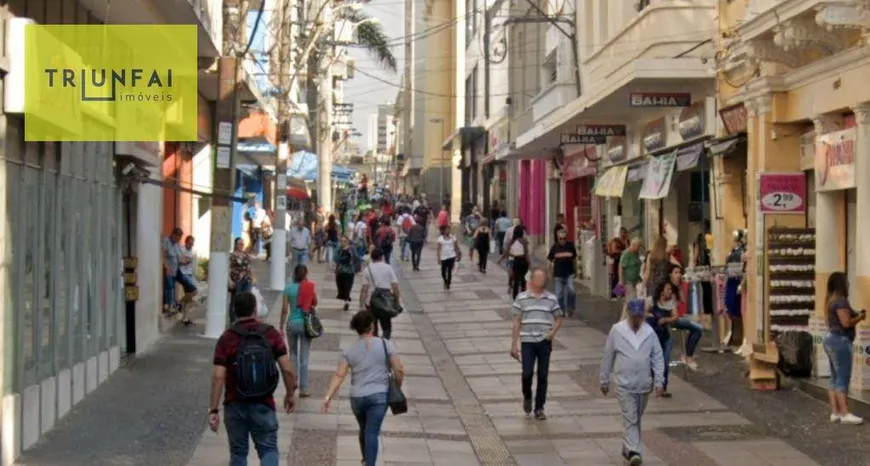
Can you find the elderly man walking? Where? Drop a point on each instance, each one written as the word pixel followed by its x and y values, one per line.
pixel 634 357
pixel 537 319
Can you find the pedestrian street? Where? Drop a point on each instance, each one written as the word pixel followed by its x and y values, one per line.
pixel 465 400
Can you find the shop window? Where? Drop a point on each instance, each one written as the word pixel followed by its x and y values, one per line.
pixel 47 295
pixel 64 259
pixel 28 284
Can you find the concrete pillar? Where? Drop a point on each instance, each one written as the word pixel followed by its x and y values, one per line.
pixel 862 220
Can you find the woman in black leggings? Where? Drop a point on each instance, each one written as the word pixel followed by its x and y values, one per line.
pixel 448 254
pixel 518 250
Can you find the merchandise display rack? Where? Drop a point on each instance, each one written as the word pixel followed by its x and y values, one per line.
pixel 791 275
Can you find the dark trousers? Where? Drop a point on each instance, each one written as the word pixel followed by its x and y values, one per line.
pixel 447 270
pixel 614 280
pixel 386 325
pixel 499 239
pixel 482 253
pixel 531 353
pixel 521 266
pixel 387 254
pixel 416 251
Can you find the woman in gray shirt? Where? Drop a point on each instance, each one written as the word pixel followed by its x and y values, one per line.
pixel 366 360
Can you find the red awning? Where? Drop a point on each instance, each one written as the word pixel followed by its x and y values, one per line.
pixel 297 194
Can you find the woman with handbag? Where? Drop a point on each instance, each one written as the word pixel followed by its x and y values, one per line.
pixel 375 383
pixel 347 264
pixel 380 293
pixel 518 251
pixel 448 254
pixel 241 274
pixel 300 297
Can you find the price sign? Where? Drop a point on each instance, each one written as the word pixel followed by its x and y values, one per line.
pixel 782 193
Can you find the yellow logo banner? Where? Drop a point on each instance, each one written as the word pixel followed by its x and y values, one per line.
pixel 110 83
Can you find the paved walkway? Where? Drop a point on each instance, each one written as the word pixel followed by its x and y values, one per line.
pixel 465 400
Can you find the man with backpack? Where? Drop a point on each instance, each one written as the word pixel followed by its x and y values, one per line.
pixel 247 360
pixel 385 237
pixel 405 221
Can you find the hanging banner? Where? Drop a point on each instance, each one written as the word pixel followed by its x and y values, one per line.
pixel 612 182
pixel 657 182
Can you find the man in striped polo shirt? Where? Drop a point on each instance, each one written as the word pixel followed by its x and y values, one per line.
pixel 537 319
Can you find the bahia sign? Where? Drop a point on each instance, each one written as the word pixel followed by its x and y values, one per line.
pixel 660 99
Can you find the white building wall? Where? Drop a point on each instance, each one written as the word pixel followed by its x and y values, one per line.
pixel 148 227
pixel 202 180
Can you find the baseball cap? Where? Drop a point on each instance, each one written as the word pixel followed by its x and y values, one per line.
pixel 636 307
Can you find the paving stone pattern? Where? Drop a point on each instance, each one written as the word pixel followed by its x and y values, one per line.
pixel 464 393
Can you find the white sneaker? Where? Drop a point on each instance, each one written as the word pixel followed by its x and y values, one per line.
pixel 835 417
pixel 851 419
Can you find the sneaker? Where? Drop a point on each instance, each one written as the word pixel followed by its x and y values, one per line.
pixel 527 407
pixel 667 395
pixel 634 459
pixel 539 415
pixel 691 364
pixel 835 417
pixel 851 419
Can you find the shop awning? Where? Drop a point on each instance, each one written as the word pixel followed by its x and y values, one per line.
pixel 725 146
pixel 611 183
pixel 657 182
pixel 689 157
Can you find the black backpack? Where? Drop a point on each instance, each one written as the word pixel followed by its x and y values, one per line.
pixel 256 368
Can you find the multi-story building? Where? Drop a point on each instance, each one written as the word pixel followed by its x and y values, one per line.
pixel 794 105
pixel 80 209
pixel 385 126
pixel 642 108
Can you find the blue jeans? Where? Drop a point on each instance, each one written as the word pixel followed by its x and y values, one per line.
pixel 839 351
pixel 300 256
pixel 403 243
pixel 369 412
pixel 300 351
pixel 168 290
pixel 331 248
pixel 565 293
pixel 258 421
pixel 540 352
pixel 696 331
pixel 667 345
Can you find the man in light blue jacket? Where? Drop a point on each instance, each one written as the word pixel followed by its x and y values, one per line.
pixel 633 356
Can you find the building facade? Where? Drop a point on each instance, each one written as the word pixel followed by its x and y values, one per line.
pixel 797 69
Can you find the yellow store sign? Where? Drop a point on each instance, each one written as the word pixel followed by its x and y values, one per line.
pixel 612 182
pixel 132 75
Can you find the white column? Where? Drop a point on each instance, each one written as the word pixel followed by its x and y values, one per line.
pixel 862 184
pixel 278 265
pixel 828 234
pixel 324 142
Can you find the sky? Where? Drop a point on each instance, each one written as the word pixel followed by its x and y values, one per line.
pixel 367 93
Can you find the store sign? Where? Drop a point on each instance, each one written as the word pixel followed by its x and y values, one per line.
pixel 835 160
pixel 659 99
pixel 617 151
pixel 782 193
pixel 734 118
pixel 654 135
pixel 578 165
pixel 692 121
pixel 602 130
pixel 636 173
pixel 571 138
pixel 808 151
pixel 657 182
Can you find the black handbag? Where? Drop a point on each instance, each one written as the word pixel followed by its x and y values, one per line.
pixel 395 397
pixel 383 303
pixel 313 327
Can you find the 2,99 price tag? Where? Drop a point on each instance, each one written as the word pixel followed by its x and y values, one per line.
pixel 782 202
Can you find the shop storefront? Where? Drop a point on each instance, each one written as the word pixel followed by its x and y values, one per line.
pixel 62 290
pixel 578 174
pixel 495 171
pixel 533 178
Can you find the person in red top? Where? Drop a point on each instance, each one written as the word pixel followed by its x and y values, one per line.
pixel 443 219
pixel 249 417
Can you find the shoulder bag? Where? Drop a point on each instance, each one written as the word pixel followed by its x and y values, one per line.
pixel 383 303
pixel 395 396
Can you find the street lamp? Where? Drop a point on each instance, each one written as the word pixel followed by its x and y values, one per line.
pixel 440 160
